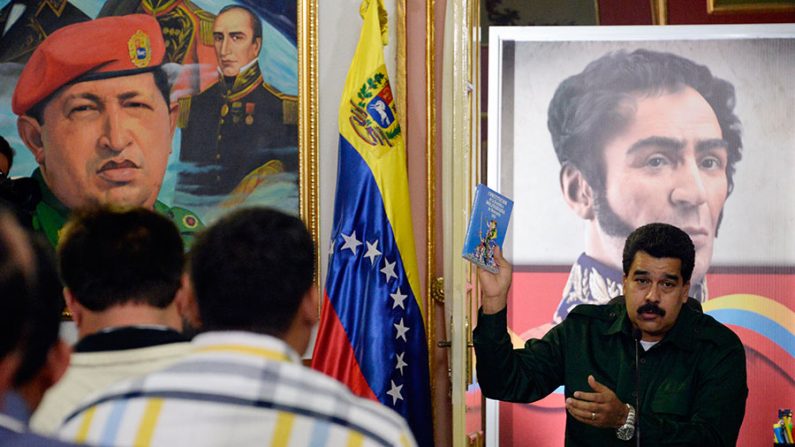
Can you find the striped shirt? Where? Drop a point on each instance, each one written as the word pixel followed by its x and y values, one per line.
pixel 236 389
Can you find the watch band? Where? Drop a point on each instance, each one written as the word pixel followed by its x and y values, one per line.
pixel 626 431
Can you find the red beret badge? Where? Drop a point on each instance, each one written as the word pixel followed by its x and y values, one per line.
pixel 140 49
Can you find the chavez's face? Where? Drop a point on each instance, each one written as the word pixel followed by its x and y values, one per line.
pixel 235 45
pixel 106 141
pixel 669 165
pixel 654 292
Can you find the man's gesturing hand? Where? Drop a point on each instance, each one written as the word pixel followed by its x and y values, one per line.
pixel 600 408
pixel 494 286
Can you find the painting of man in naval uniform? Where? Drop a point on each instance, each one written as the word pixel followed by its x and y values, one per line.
pixel 241 130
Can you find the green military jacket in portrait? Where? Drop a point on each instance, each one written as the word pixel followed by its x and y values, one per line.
pixel 692 383
pixel 50 215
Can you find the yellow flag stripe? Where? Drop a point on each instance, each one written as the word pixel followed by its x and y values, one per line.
pixel 148 422
pixel 388 165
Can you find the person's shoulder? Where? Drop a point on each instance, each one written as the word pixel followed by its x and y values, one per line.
pixel 29 439
pixel 21 195
pixel 709 329
pixel 278 93
pixel 605 312
pixel 188 222
pixel 366 412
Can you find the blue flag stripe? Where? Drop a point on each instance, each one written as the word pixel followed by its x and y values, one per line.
pixel 362 294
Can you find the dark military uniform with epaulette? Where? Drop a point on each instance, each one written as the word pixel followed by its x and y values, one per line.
pixel 692 382
pixel 233 128
pixel 40 210
pixel 39 19
pixel 187 32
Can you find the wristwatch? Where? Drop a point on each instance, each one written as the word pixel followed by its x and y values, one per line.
pixel 626 431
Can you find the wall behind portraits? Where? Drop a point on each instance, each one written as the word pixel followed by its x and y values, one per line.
pixel 752 273
pixel 254 181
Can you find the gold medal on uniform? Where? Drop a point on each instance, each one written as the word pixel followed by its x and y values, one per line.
pixel 225 110
pixel 250 113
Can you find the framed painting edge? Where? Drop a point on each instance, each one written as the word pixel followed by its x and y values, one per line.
pixel 307 122
pixel 718 7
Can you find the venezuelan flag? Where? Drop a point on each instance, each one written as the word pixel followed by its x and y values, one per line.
pixel 372 331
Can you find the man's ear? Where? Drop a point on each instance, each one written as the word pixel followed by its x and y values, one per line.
pixel 8 368
pixel 57 362
pixel 74 307
pixel 309 306
pixel 258 43
pixel 173 116
pixel 685 292
pixel 577 193
pixel 185 301
pixel 30 131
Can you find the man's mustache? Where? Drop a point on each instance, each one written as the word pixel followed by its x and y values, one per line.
pixel 651 308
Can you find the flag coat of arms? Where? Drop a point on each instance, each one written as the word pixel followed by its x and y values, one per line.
pixel 372 332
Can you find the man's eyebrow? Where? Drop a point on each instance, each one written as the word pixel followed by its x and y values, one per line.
pixel 671 276
pixel 85 95
pixel 712 143
pixel 665 143
pixel 640 273
pixel 129 95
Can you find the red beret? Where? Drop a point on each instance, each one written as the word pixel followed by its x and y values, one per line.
pixel 96 49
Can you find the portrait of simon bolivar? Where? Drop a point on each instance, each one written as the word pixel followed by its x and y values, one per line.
pixel 609 132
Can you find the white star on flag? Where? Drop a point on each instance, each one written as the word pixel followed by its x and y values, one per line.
pixel 398 298
pixel 389 270
pixel 395 392
pixel 401 330
pixel 372 251
pixel 400 362
pixel 350 242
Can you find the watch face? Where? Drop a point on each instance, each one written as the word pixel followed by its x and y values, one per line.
pixel 625 433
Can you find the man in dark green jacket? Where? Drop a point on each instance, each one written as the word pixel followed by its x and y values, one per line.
pixel 692 374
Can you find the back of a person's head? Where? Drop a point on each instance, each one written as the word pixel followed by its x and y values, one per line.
pixel 251 270
pixel 43 316
pixel 7 152
pixel 109 257
pixel 16 281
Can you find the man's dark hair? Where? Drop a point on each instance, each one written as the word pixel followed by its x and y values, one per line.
pixel 43 318
pixel 16 285
pixel 661 241
pixel 251 270
pixel 161 82
pixel 109 257
pixel 256 25
pixel 591 107
pixel 5 149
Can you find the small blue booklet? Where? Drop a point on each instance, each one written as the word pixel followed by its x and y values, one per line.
pixel 491 212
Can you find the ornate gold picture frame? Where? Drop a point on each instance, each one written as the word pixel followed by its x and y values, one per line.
pixel 277 95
